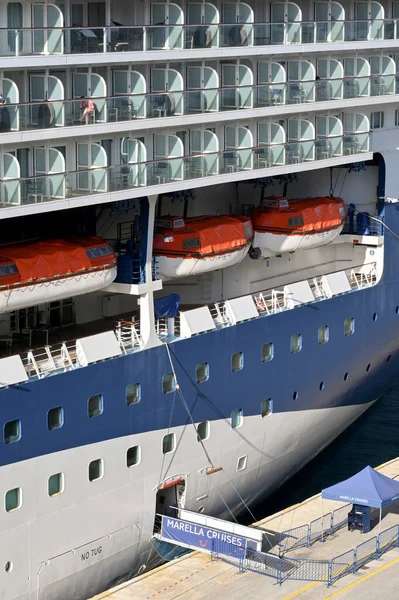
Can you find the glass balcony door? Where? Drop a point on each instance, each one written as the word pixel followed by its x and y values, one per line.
pixel 238 145
pixel 134 173
pixel 301 135
pixel 130 83
pixel 204 145
pixel 287 15
pixel 49 164
pixel 383 70
pixel 205 31
pixel 47 39
pixel 92 157
pixel 11 109
pixel 356 137
pixel 241 16
pixel 272 79
pixel 358 70
pixel 171 17
pixel 203 84
pixel 370 25
pixel 272 136
pixel 241 96
pixel 10 190
pixel 168 147
pixel 167 84
pixel 46 90
pixel 329 131
pixel 329 17
pixel 329 85
pixel 93 87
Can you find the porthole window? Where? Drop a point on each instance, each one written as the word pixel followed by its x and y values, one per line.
pixel 266 407
pixel 388 358
pixel 346 376
pixel 8 566
pixel 375 316
pixel 95 406
pixel 55 484
pixel 168 383
pixel 55 418
pixel 96 469
pixel 237 361
pixel 267 352
pixel 368 367
pixel 202 372
pixel 203 430
pixel 133 456
pixel 397 310
pixel 237 418
pixel 168 443
pixel 12 431
pixel 296 343
pixel 242 463
pixel 295 396
pixel 133 393
pixel 13 499
pixel 321 386
pixel 349 326
pixel 323 334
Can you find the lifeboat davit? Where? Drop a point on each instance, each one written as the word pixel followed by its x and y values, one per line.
pixel 283 225
pixel 198 245
pixel 32 273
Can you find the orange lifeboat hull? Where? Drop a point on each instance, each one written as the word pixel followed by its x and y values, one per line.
pixel 199 245
pixel 282 225
pixel 33 273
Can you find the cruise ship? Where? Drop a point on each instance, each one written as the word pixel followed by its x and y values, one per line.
pixel 199 275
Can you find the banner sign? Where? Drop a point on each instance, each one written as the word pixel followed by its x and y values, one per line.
pixel 198 536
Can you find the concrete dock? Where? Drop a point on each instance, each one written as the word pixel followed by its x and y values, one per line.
pixel 195 576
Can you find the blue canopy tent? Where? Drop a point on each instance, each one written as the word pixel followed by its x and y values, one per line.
pixel 367 488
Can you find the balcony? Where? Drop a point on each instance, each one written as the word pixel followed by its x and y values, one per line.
pixel 135 39
pixel 141 175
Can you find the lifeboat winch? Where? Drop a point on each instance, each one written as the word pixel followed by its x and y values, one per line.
pixel 196 245
pixel 282 225
pixel 32 273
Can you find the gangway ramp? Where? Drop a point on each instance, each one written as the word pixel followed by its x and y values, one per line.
pixel 228 541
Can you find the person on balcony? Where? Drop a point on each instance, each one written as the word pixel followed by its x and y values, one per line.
pixel 88 110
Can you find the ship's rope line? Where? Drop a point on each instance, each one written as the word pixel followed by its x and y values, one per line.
pixel 201 441
pixel 169 427
pixel 378 221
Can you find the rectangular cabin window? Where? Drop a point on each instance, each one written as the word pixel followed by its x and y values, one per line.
pixel 396 118
pixel 203 430
pixel 349 326
pixel 237 361
pixel 133 393
pixel 191 243
pixel 296 343
pixel 237 418
pixel 133 456
pixel 266 408
pixel 168 443
pixel 55 418
pixel 295 222
pixel 55 484
pixel 323 334
pixel 8 269
pixel 168 383
pixel 95 406
pixel 13 499
pixel 96 469
pixel 377 120
pixel 267 352
pixel 12 431
pixel 202 372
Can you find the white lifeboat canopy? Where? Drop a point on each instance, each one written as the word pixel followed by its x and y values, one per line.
pixel 196 245
pixel 35 272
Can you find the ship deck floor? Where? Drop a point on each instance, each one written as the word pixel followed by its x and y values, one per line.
pixel 195 576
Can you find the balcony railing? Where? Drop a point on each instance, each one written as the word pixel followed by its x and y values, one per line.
pixel 68 113
pixel 57 186
pixel 83 40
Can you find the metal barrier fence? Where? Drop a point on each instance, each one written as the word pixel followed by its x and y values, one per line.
pixel 294 538
pixel 319 527
pixel 339 518
pixel 305 569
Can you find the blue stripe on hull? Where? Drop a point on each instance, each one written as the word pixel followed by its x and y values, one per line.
pixel 303 372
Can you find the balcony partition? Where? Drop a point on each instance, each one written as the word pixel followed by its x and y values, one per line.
pixel 98 178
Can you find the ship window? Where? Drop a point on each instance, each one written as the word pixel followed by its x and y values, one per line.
pixel 377 120
pixel 133 393
pixel 12 431
pixel 9 269
pixel 95 406
pixel 55 418
pixel 237 418
pixel 168 383
pixel 202 372
pixel 242 463
pixel 267 352
pixel 323 334
pixel 397 118
pixel 295 395
pixel 266 407
pixel 13 499
pixel 191 243
pixel 237 361
pixel 99 251
pixel 295 222
pixel 96 469
pixel 203 430
pixel 349 326
pixel 56 484
pixel 133 456
pixel 168 443
pixel 296 343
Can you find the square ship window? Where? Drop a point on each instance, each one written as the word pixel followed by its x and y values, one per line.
pixel 203 430
pixel 13 499
pixel 12 431
pixel 168 443
pixel 267 352
pixel 349 326
pixel 237 361
pixel 266 408
pixel 96 469
pixel 237 418
pixel 323 334
pixel 95 406
pixel 133 456
pixel 133 393
pixel 56 484
pixel 55 418
pixel 296 343
pixel 168 383
pixel 202 372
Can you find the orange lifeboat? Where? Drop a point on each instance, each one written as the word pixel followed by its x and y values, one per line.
pixel 283 225
pixel 200 244
pixel 32 273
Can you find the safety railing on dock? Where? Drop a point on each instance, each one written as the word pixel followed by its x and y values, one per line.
pixel 282 568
